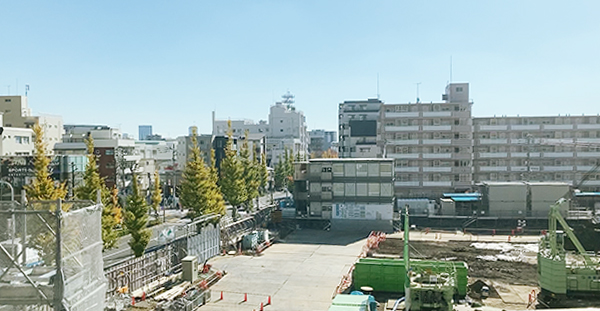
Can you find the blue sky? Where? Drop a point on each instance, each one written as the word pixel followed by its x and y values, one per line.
pixel 170 63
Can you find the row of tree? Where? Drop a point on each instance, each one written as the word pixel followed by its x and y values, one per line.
pixel 243 177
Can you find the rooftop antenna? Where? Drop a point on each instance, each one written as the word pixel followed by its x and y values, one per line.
pixel 8 88
pixel 450 68
pixel 378 85
pixel 418 100
pixel 26 89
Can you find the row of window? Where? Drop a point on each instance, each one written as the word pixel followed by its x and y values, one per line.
pixel 535 136
pixel 433 163
pixel 425 107
pixel 534 120
pixel 433 177
pixel 533 176
pixel 431 149
pixel 425 135
pixel 425 122
pixel 352 189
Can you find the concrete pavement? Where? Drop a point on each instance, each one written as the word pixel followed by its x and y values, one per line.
pixel 301 273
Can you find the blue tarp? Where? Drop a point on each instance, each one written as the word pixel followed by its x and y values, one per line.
pixel 587 194
pixel 452 195
pixel 465 199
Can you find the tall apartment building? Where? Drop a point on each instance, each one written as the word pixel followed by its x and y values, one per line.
pixel 285 130
pixel 554 148
pixel 358 123
pixel 17 114
pixel 431 142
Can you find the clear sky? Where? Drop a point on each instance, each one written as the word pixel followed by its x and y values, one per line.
pixel 170 63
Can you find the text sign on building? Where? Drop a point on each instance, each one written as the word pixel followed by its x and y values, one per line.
pixel 362 211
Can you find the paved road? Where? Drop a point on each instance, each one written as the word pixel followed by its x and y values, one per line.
pixel 174 221
pixel 301 273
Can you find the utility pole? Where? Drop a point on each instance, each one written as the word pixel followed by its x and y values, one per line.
pixel 73 169
pixel 174 177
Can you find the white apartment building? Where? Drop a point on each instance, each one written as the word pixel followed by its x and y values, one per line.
pixel 17 114
pixel 16 141
pixel 358 123
pixel 285 130
pixel 431 142
pixel 553 148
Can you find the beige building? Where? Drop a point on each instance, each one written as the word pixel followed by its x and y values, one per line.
pixel 16 141
pixel 554 148
pixel 358 122
pixel 431 142
pixel 17 114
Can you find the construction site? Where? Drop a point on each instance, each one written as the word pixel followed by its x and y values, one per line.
pixel 52 259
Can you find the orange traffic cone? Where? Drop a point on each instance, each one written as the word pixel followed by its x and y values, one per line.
pixel 143 296
pixel 262 308
pixel 133 301
pixel 269 301
pixel 245 297
pixel 221 295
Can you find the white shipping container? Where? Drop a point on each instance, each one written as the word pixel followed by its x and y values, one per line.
pixel 365 211
pixel 516 192
pixel 548 192
pixel 507 208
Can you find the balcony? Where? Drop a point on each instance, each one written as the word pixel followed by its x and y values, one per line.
pixel 558 154
pixel 437 141
pixel 493 154
pixel 414 114
pixel 557 168
pixel 558 126
pixel 437 114
pixel 406 184
pixel 493 169
pixel 437 169
pixel 406 169
pixel 524 154
pixel 493 127
pixel 411 128
pixel 402 142
pixel 518 168
pixel 437 184
pixel 437 128
pixel 527 127
pixel 437 155
pixel 493 141
pixel 591 183
pixel 588 141
pixel 584 168
pixel 584 154
pixel 588 126
pixel 403 155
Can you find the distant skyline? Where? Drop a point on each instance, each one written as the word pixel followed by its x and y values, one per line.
pixel 169 64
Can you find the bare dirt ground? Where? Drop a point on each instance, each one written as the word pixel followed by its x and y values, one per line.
pixel 515 273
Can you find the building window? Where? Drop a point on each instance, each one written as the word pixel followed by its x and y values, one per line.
pixel 459 89
pixel 109 152
pixel 280 121
pixel 281 130
pixel 8 100
pixel 456 149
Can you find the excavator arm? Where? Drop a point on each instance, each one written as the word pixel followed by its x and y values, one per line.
pixel 555 216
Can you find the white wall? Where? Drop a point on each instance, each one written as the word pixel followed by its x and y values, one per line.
pixel 16 141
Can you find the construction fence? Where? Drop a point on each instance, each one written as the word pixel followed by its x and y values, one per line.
pixel 51 255
pixel 201 238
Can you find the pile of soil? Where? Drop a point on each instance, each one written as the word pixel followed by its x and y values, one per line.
pixel 517 273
